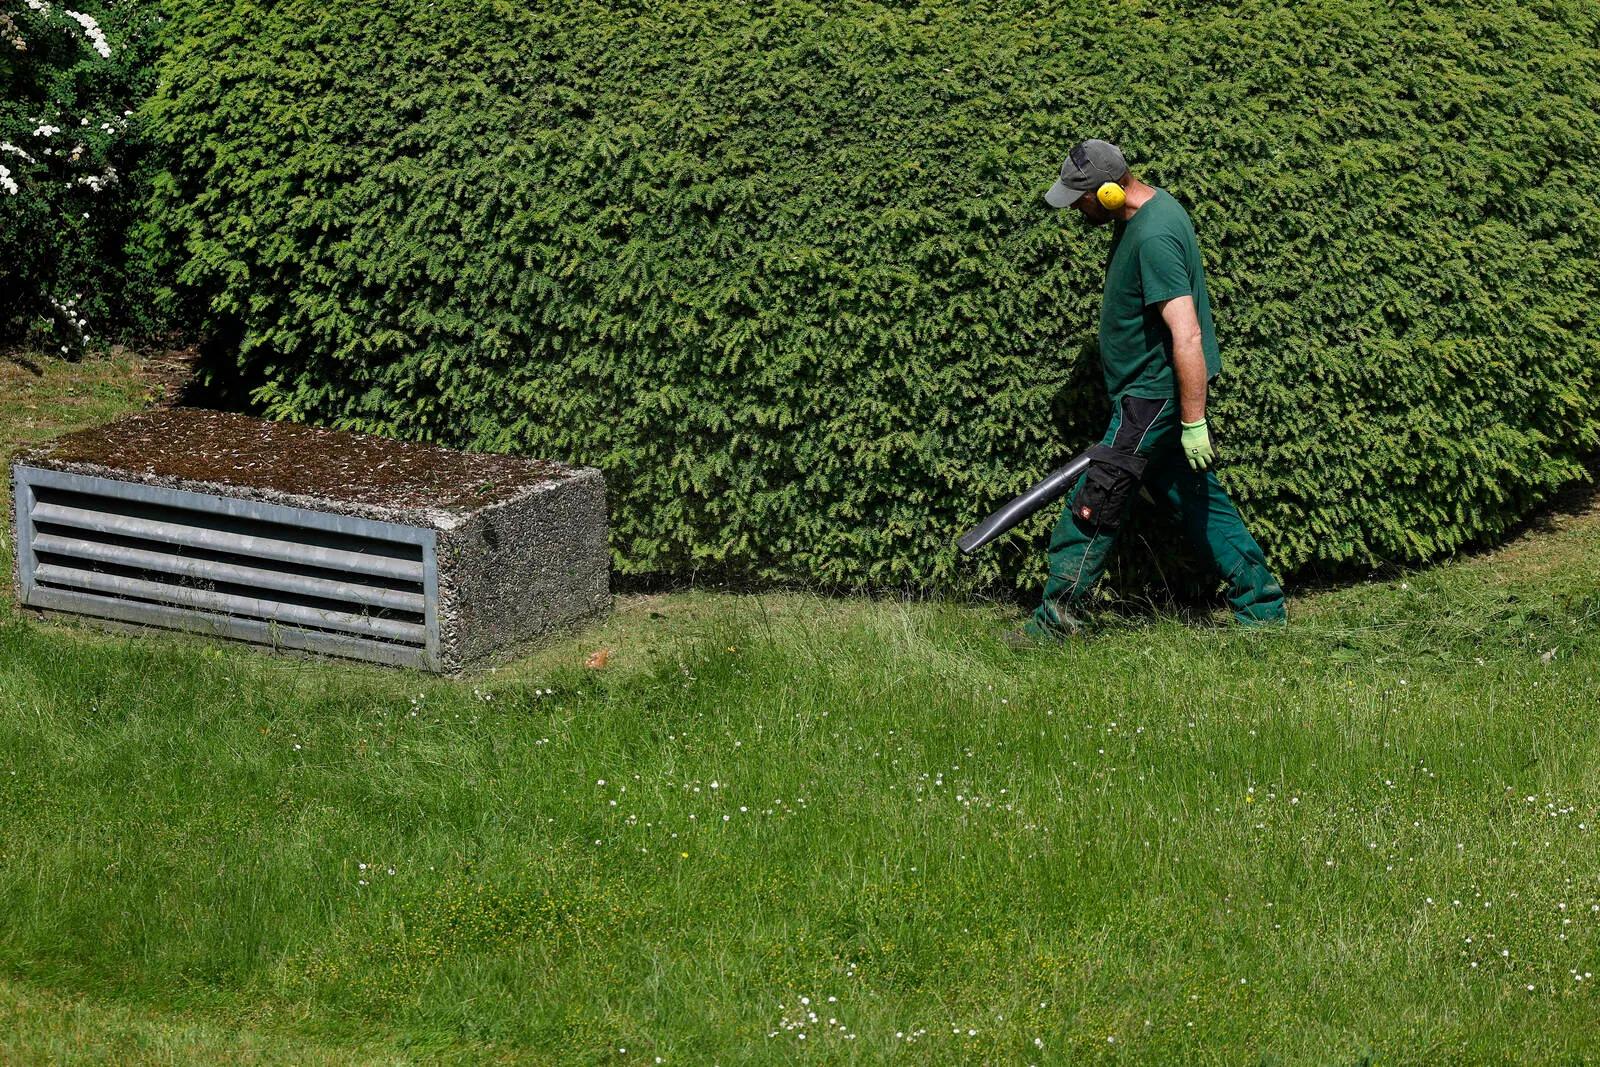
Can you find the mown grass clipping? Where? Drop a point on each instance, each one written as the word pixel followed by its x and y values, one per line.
pixel 786 276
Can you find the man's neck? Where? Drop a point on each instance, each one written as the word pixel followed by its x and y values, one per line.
pixel 1138 195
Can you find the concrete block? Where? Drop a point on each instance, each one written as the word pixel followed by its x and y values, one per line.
pixel 309 539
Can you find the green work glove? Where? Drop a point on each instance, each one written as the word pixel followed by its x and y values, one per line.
pixel 1196 443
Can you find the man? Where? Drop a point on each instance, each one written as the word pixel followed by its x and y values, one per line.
pixel 1158 352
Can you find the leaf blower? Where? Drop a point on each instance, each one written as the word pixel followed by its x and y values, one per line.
pixel 1051 487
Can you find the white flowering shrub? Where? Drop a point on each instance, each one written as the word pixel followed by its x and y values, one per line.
pixel 72 176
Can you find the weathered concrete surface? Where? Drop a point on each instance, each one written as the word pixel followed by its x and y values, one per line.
pixel 522 547
pixel 537 564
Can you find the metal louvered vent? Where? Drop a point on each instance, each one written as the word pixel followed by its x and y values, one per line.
pixel 285 576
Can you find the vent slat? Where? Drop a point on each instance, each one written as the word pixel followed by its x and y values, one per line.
pixel 236 574
pixel 228 604
pixel 264 633
pixel 223 541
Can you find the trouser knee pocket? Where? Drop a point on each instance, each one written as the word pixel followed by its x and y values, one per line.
pixel 1108 486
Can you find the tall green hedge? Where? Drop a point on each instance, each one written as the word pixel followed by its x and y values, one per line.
pixel 785 274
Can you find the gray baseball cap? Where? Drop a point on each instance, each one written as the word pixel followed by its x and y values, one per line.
pixel 1088 166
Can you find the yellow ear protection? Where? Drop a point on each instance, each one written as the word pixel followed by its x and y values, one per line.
pixel 1111 196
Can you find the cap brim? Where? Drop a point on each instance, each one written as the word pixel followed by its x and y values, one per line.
pixel 1062 195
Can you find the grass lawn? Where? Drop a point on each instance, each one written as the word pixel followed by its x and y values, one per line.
pixel 782 828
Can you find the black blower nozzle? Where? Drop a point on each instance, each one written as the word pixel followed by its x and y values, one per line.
pixel 1053 485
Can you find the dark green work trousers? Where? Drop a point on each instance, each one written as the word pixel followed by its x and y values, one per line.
pixel 1141 445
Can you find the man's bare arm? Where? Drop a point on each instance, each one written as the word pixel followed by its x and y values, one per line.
pixel 1188 358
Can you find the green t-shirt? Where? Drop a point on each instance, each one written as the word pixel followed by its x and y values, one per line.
pixel 1154 257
